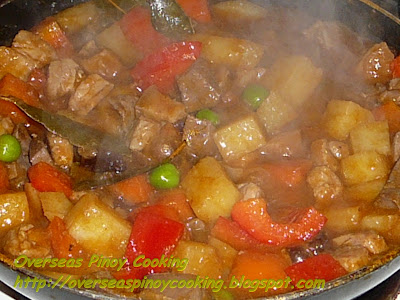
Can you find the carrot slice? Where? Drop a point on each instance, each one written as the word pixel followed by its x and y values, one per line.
pixel 13 86
pixel 62 243
pixel 134 190
pixel 196 9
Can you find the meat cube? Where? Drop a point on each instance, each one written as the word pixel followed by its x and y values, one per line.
pixel 27 240
pixel 15 63
pixel 322 156
pixel 165 144
pixel 326 185
pixel 38 152
pixel 159 107
pixel 89 93
pixel 286 144
pixel 339 149
pixel 89 49
pixel 61 150
pixel 370 240
pixel 352 258
pixel 197 89
pixel 62 78
pixel 104 63
pixel 32 46
pixel 144 132
pixel 396 147
pixel 198 136
pixel 250 190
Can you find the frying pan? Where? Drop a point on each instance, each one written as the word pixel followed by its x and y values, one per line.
pixel 362 16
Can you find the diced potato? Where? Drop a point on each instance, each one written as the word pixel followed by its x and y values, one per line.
pixel 35 205
pixel 379 223
pixel 202 259
pixel 343 219
pixel 371 136
pixel 365 192
pixel 362 167
pixel 240 11
pixel 77 17
pixel 160 107
pixel 97 227
pixel 113 39
pixel 239 138
pixel 55 204
pixel 232 52
pixel 210 192
pixel 274 112
pixel 14 210
pixel 225 252
pixel 294 78
pixel 342 116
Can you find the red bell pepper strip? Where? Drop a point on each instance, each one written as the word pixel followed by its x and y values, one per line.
pixel 395 67
pixel 196 9
pixel 161 67
pixel 322 266
pixel 137 28
pixel 62 243
pixel 13 86
pixel 46 178
pixel 153 235
pixel 252 216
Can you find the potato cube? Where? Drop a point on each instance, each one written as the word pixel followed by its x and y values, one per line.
pixel 371 136
pixel 294 78
pixel 366 191
pixel 239 138
pixel 274 112
pixel 233 52
pixel 343 219
pixel 113 39
pixel 342 116
pixel 210 192
pixel 363 167
pixel 14 210
pixel 238 11
pixel 202 259
pixel 225 252
pixel 77 17
pixel 97 227
pixel 379 223
pixel 55 204
pixel 159 107
pixel 35 206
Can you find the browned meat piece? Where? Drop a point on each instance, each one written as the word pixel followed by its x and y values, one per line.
pixel 24 138
pixel 198 136
pixel 325 184
pixel 31 45
pixel 198 89
pixel 322 156
pixel 393 95
pixel 309 249
pixel 105 64
pixel 15 63
pixel 38 152
pixel 250 190
pixel 145 131
pixel 62 78
pixel 375 64
pixel 286 144
pixel 245 77
pixel 159 107
pixel 371 241
pixel 89 49
pixel 338 149
pixel 396 147
pixel 6 125
pixel 61 150
pixel 389 197
pixel 165 144
pixel 89 93
pixel 27 240
pixel 352 258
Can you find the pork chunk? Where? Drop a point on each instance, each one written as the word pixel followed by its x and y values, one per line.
pixel 61 150
pixel 31 45
pixel 371 241
pixel 250 190
pixel 15 63
pixel 89 93
pixel 352 258
pixel 143 133
pixel 104 63
pixel 63 76
pixel 322 156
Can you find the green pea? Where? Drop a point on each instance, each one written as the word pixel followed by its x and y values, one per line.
pixel 165 176
pixel 208 114
pixel 10 148
pixel 254 95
